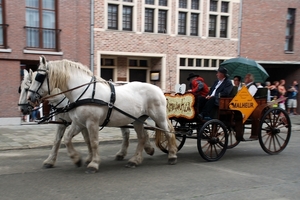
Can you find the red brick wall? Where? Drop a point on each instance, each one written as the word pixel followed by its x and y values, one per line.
pixel 9 84
pixel 263 30
pixel 74 22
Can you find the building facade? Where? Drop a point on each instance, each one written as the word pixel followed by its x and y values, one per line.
pixel 56 29
pixel 162 41
pixel 271 36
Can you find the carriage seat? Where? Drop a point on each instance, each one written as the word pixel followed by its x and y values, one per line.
pixel 261 93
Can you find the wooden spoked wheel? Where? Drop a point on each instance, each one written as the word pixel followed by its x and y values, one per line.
pixel 275 131
pixel 232 141
pixel 180 137
pixel 212 140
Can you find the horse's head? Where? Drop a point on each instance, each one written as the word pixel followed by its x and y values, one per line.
pixel 40 83
pixel 24 106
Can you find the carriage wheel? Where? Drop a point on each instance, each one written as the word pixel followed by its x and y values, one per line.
pixel 180 138
pixel 275 131
pixel 232 141
pixel 212 140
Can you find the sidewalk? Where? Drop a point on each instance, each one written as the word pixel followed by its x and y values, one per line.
pixel 42 136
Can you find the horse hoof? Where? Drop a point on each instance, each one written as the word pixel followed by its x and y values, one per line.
pixel 78 163
pixel 131 165
pixel 91 170
pixel 150 152
pixel 172 161
pixel 119 158
pixel 47 166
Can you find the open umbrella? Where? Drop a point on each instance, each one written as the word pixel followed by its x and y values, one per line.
pixel 241 66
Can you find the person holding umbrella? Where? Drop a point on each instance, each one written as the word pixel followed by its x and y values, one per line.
pixel 221 88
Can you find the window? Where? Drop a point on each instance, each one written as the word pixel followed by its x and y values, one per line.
pixel 182 23
pixel 156 16
pixel 189 17
pixel 138 63
pixel 162 21
pixel 41 24
pixel 218 19
pixel 3 26
pixel 290 29
pixel 182 3
pixel 150 2
pixel 120 15
pixel 108 68
pixel 149 19
pixel 212 25
pixel 194 24
pixel 127 18
pixel 200 62
pixel 112 16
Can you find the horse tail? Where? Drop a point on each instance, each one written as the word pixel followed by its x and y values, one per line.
pixel 160 137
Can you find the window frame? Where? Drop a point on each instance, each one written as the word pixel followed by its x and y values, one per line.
pixel 290 30
pixel 217 11
pixel 4 44
pixel 158 7
pixel 192 27
pixel 42 30
pixel 122 22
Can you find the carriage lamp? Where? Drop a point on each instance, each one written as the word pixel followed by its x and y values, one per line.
pixel 154 75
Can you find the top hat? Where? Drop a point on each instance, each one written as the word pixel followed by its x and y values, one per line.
pixel 192 75
pixel 223 70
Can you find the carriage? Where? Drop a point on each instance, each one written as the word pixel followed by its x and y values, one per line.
pixel 237 115
pixel 96 102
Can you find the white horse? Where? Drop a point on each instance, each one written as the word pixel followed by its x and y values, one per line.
pixel 134 103
pixel 63 119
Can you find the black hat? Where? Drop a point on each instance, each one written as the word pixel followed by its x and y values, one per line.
pixel 223 70
pixel 192 75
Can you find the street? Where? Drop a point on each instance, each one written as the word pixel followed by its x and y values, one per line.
pixel 244 172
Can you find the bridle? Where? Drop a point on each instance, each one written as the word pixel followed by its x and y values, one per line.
pixel 29 106
pixel 41 78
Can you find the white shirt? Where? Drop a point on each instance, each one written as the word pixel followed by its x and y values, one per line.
pixel 214 92
pixel 252 89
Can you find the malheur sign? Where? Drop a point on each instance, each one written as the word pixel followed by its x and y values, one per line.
pixel 244 102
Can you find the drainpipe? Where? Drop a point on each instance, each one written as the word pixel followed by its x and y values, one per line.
pixel 92 36
pixel 240 28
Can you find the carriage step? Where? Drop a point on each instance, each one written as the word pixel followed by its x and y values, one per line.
pixel 249 139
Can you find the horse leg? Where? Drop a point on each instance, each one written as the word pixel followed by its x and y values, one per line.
pixel 86 138
pixel 138 156
pixel 170 136
pixel 74 155
pixel 125 143
pixel 50 161
pixel 149 149
pixel 93 130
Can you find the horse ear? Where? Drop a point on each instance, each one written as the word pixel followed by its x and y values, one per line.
pixel 43 60
pixel 30 73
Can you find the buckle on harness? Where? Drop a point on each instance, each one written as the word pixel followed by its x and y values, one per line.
pixel 110 105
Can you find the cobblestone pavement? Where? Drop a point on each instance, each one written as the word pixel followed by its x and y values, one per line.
pixel 42 135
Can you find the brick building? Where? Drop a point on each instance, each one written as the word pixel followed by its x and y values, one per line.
pixel 270 35
pixel 56 29
pixel 136 38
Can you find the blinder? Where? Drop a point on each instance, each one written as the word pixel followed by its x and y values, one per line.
pixel 40 77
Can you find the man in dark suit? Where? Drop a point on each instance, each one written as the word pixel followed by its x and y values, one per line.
pixel 221 88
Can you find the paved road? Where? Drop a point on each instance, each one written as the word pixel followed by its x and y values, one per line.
pixel 38 136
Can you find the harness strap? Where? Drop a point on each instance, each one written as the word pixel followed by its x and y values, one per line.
pixel 110 104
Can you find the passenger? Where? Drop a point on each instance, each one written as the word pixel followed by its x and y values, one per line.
pixel 249 82
pixel 199 88
pixel 237 81
pixel 221 88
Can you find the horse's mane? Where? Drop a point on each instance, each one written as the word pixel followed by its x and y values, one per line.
pixel 60 71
